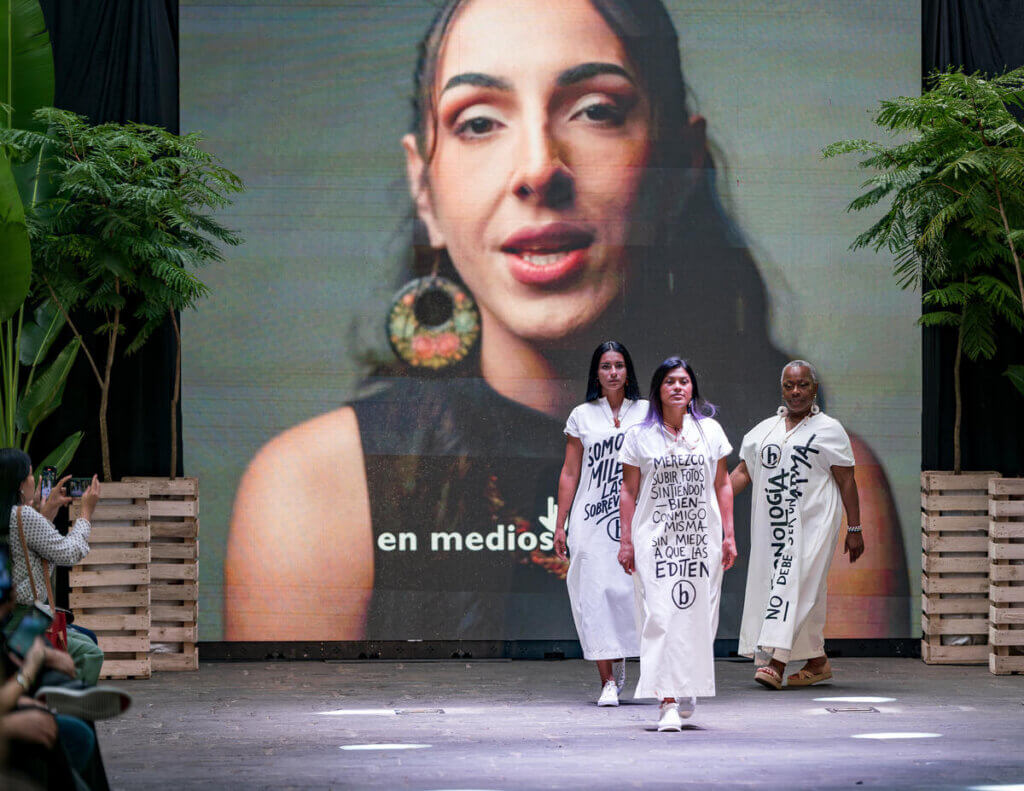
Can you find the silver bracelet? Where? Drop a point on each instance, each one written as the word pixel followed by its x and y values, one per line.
pixel 853 528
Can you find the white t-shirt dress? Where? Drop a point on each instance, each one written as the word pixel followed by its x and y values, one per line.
pixel 600 592
pixel 677 540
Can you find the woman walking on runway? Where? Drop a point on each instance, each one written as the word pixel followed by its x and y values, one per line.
pixel 801 464
pixel 677 535
pixel 602 598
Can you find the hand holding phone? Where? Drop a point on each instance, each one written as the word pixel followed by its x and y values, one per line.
pixel 56 499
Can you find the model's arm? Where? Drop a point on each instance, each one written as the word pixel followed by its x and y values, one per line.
pixel 723 491
pixel 854 545
pixel 739 478
pixel 627 507
pixel 299 562
pixel 567 483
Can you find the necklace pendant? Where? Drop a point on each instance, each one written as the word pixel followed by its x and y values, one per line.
pixel 617 424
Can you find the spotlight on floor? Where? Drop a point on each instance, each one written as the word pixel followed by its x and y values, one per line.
pixel 1007 787
pixel 855 699
pixel 358 713
pixel 897 735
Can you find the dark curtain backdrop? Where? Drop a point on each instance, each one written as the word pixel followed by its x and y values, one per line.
pixel 117 60
pixel 988 36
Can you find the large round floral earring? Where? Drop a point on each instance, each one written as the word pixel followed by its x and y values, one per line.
pixel 433 323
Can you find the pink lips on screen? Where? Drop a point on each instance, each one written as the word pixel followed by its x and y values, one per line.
pixel 548 254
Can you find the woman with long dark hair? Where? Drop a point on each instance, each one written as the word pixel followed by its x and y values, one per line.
pixel 602 599
pixel 34 543
pixel 677 537
pixel 563 194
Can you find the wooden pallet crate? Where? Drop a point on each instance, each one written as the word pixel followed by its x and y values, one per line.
pixel 1006 576
pixel 954 567
pixel 174 572
pixel 110 587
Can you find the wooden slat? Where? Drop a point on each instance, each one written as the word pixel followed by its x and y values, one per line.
pixel 937 625
pixel 99 622
pixel 930 543
pixel 189 551
pixel 1007 637
pixel 108 577
pixel 189 613
pixel 1006 664
pixel 182 508
pixel 954 654
pixel 81 601
pixel 173 634
pixel 932 480
pixel 123 644
pixel 954 502
pixel 932 523
pixel 947 565
pixel 1009 616
pixel 124 491
pixel 124 534
pixel 935 584
pixel 1001 529
pixel 1005 573
pixel 120 512
pixel 127 668
pixel 943 605
pixel 999 508
pixel 1003 550
pixel 162 487
pixel 162 591
pixel 187 529
pixel 105 556
pixel 1012 486
pixel 184 661
pixel 1003 594
pixel 174 571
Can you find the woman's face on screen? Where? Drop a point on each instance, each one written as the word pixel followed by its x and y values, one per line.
pixel 542 138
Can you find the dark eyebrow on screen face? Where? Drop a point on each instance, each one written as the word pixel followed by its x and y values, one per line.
pixel 587 70
pixel 477 79
pixel 568 77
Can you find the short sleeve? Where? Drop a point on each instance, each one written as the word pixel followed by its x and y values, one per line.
pixel 629 453
pixel 572 427
pixel 748 450
pixel 718 443
pixel 837 450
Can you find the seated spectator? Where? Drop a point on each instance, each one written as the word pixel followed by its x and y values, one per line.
pixel 53 750
pixel 35 543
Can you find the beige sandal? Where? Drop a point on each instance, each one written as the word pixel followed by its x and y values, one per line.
pixel 805 677
pixel 768 676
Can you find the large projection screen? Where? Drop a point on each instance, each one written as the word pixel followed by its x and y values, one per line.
pixel 360 523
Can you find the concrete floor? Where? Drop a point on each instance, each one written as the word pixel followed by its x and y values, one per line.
pixel 532 724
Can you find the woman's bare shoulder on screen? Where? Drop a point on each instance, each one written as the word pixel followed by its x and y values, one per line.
pixel 301 536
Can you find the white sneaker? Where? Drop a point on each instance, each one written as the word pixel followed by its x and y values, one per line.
pixel 619 674
pixel 687 707
pixel 669 719
pixel 609 695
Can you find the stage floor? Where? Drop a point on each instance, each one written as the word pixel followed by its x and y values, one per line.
pixel 533 724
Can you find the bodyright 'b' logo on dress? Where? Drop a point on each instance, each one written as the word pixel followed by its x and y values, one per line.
pixel 770 456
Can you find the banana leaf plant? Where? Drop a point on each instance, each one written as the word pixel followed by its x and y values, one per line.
pixel 31 388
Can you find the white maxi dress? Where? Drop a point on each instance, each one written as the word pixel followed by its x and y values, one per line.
pixel 677 541
pixel 795 515
pixel 600 592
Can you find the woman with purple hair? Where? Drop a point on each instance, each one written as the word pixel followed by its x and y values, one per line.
pixel 677 537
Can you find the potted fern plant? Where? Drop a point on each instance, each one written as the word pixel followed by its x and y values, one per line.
pixel 954 183
pixel 128 225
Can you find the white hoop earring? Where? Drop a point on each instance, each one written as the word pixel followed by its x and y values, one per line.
pixel 782 411
pixel 815 409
